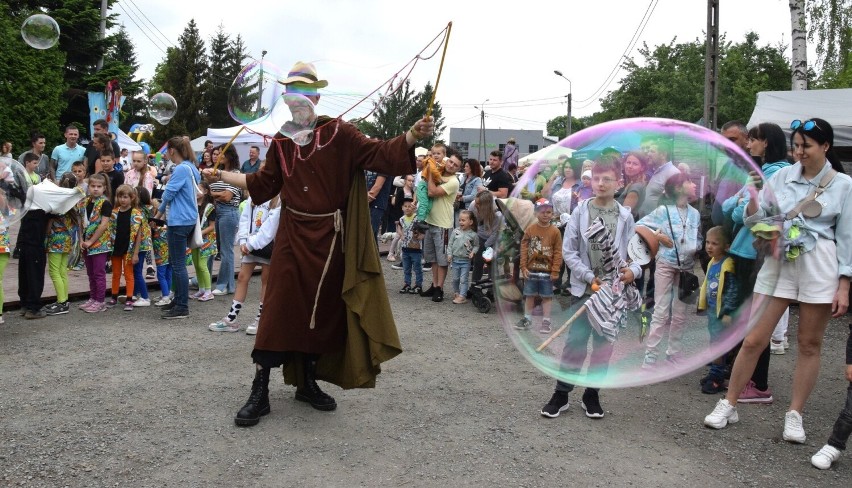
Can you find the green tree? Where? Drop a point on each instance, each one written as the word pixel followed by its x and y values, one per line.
pixel 31 84
pixel 670 81
pixel 556 126
pixel 398 112
pixel 217 83
pixel 830 25
pixel 182 75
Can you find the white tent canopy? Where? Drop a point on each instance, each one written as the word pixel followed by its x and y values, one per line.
pixel 252 135
pixel 782 107
pixel 125 142
pixel 550 153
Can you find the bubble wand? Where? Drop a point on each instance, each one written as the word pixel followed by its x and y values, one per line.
pixel 222 152
pixel 440 69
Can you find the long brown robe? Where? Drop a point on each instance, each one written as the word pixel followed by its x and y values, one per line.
pixel 318 179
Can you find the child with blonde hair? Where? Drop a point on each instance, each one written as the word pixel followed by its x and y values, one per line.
pixel 96 244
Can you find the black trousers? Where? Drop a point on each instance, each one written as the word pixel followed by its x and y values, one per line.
pixel 31 277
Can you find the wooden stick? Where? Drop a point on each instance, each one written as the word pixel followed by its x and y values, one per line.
pixel 222 152
pixel 440 68
pixel 562 329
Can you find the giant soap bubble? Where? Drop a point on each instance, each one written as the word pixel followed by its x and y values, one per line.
pixel 255 92
pixel 607 344
pixel 162 107
pixel 13 191
pixel 296 118
pixel 40 31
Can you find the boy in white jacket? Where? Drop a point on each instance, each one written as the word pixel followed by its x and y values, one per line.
pixel 258 225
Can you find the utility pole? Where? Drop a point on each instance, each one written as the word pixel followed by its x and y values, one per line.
pixel 260 90
pixel 481 129
pixel 104 8
pixel 711 66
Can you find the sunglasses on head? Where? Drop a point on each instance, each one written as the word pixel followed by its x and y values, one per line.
pixel 806 125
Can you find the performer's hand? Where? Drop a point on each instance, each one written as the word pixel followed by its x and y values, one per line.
pixel 424 127
pixel 210 174
pixel 627 275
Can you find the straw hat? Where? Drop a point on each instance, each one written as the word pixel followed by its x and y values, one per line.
pixel 304 74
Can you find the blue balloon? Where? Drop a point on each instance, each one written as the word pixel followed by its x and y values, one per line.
pixel 145 147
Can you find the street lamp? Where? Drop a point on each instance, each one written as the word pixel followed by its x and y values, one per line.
pixel 568 122
pixel 481 108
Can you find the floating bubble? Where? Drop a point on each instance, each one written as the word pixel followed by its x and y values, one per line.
pixel 13 191
pixel 254 92
pixel 162 107
pixel 607 342
pixel 296 116
pixel 40 31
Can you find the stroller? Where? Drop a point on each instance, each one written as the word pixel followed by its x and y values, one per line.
pixel 517 214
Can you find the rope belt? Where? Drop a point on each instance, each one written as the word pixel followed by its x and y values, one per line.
pixel 338 229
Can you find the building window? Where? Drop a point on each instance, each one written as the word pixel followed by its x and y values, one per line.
pixel 502 147
pixel 533 148
pixel 462 148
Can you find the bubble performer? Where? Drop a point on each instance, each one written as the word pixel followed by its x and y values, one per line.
pixel 810 253
pixel 327 317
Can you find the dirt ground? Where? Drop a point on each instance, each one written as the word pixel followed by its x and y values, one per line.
pixel 125 399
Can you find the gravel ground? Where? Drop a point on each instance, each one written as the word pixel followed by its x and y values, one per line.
pixel 125 399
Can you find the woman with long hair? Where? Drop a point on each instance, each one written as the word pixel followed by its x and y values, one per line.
pixel 179 198
pixel 227 198
pixel 635 169
pixel 815 271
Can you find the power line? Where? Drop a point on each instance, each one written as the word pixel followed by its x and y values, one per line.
pixel 152 24
pixel 457 105
pixel 637 34
pixel 132 19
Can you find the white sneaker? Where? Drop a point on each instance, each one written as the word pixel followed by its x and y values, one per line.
pixel 219 292
pixel 252 328
pixel 142 302
pixel 793 430
pixel 163 301
pixel 825 456
pixel 722 415
pixel 777 348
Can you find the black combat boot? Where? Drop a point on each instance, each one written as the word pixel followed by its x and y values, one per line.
pixel 310 392
pixel 258 402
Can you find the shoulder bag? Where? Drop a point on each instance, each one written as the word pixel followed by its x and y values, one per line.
pixel 687 287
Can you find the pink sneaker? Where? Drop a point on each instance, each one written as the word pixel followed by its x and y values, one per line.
pixel 198 294
pixel 206 297
pixel 95 307
pixel 86 304
pixel 751 394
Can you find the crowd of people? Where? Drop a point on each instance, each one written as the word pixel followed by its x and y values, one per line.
pixel 648 187
pixel 440 213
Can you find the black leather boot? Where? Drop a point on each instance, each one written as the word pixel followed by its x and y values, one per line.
pixel 310 392
pixel 258 403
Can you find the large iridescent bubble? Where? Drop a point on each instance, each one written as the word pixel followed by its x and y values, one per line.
pixel 296 118
pixel 14 184
pixel 255 92
pixel 40 31
pixel 608 342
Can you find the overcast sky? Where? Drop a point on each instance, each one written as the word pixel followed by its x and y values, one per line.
pixel 501 51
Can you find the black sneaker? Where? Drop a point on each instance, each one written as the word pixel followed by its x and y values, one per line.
pixel 558 403
pixel 523 324
pixel 427 266
pixel 713 386
pixel 38 314
pixel 57 308
pixel 416 290
pixel 405 289
pixel 175 313
pixel 428 293
pixel 168 306
pixel 438 296
pixel 591 404
pixel 396 266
